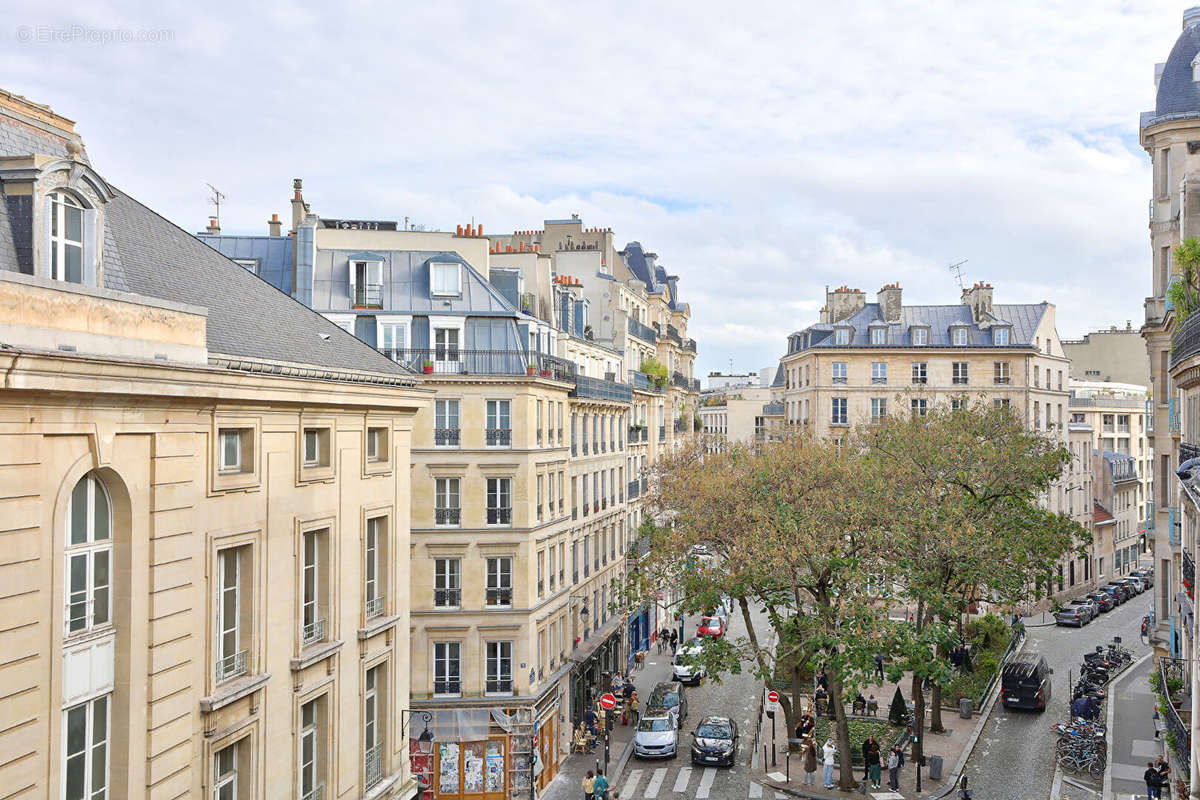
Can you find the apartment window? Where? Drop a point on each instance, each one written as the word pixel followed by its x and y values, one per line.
pixel 539 423
pixel 552 575
pixel 85 750
pixel 499 582
pixel 878 372
pixel 311 785
pixel 499 501
pixel 587 562
pixel 839 372
pixel 1000 337
pixel 920 336
pixel 312 607
pixel 956 403
pixel 446 499
pixel 920 372
pixel 499 668
pixel 878 336
pixel 447 583
pixel 499 423
pixel 88 553
pixel 366 283
pixel 839 413
pixel 232 612
pixel 445 423
pixel 560 423
pixel 920 406
pixel 562 563
pixel 446 350
pixel 959 373
pixel 225 773
pixel 841 336
pixel 376 527
pixel 372 732
pixel 541 573
pixel 959 337
pixel 230 456
pixel 377 444
pixel 562 479
pixel 878 408
pixel 66 238
pixel 1162 173
pixel 444 278
pixel 1000 372
pixel 447 668
pixel 1000 402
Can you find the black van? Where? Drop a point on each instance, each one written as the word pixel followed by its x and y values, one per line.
pixel 1025 682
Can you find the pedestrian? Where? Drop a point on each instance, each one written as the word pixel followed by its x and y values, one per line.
pixel 674 641
pixel 879 668
pixel 827 754
pixel 1153 779
pixel 873 766
pixel 895 760
pixel 806 726
pixel 810 762
pixel 822 679
pixel 1164 774
pixel 589 785
pixel 600 790
pixel 867 744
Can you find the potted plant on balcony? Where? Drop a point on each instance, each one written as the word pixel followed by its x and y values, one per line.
pixel 427 365
pixel 656 371
pixel 531 370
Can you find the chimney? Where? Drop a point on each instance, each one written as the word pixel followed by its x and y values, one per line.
pixel 297 203
pixel 274 226
pixel 1191 16
pixel 889 302
pixel 843 303
pixel 979 298
pixel 213 227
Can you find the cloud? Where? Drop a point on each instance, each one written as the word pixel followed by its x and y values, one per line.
pixel 763 154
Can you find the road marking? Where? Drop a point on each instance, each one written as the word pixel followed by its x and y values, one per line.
pixel 685 775
pixel 706 782
pixel 631 782
pixel 755 791
pixel 656 782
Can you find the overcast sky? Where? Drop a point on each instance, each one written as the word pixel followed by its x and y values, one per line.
pixel 763 151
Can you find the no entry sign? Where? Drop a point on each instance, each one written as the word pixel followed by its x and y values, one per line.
pixel 772 702
pixel 608 702
pixel 772 697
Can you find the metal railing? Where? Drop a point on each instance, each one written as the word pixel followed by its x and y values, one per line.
pixel 447 686
pixel 368 295
pixel 1172 415
pixel 316 793
pixel 231 666
pixel 447 516
pixel 502 683
pixel 447 598
pixel 373 765
pixel 446 437
pixel 1185 341
pixel 643 332
pixel 1187 451
pixel 313 632
pixel 1174 668
pixel 499 597
pixel 1189 568
pixel 642 381
pixel 499 516
pixel 680 380
pixel 457 361
pixel 498 437
pixel 374 607
pixel 689 344
pixel 600 389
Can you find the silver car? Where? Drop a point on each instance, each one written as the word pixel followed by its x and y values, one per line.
pixel 656 737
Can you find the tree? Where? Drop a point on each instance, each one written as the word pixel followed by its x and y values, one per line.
pixel 1184 293
pixel 655 370
pixel 965 488
pixel 898 710
pixel 795 530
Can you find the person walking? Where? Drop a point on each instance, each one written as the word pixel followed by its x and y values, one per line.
pixel 1164 775
pixel 674 640
pixel 664 638
pixel 810 762
pixel 893 766
pixel 589 785
pixel 827 754
pixel 600 788
pixel 822 679
pixel 1153 779
pixel 806 726
pixel 867 744
pixel 879 667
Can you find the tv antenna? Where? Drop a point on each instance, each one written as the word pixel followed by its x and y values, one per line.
pixel 957 270
pixel 217 197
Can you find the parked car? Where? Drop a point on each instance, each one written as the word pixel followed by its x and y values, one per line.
pixel 657 736
pixel 1104 601
pixel 715 741
pixel 1118 590
pixel 685 668
pixel 1135 588
pixel 713 627
pixel 1072 615
pixel 1146 576
pixel 1025 682
pixel 669 697
pixel 1137 583
pixel 1088 604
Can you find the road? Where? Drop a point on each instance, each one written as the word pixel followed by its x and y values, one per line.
pixel 1014 757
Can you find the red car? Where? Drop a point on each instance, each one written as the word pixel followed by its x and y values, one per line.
pixel 711 626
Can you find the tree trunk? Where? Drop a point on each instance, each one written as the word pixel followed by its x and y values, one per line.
pixel 918 718
pixel 846 771
pixel 935 714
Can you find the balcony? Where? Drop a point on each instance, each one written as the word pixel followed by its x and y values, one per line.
pixel 447 516
pixel 689 345
pixel 642 382
pixel 373 765
pixel 673 335
pixel 643 332
pixel 499 516
pixel 680 426
pixel 1174 670
pixel 313 632
pixel 498 437
pixel 447 598
pixel 448 686
pixel 1188 451
pixel 232 666
pixel 446 437
pixel 499 597
pixel 454 361
pixel 600 389
pixel 1173 415
pixel 374 607
pixel 368 296
pixel 1189 568
pixel 1185 341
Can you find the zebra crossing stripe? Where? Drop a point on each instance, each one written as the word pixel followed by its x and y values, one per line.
pixel 656 782
pixel 706 782
pixel 685 775
pixel 631 782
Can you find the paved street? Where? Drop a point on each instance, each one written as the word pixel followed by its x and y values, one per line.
pixel 1014 758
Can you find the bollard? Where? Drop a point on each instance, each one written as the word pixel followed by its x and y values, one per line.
pixel 764 755
pixel 788 760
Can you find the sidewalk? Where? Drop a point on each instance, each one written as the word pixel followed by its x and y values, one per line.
pixel 1132 742
pixel 567 784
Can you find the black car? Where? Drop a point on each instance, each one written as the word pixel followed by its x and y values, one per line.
pixel 1126 589
pixel 715 741
pixel 1104 601
pixel 1025 682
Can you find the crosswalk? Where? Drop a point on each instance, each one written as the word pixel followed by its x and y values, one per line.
pixel 652 783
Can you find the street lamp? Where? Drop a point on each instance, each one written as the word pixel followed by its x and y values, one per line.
pixel 425 740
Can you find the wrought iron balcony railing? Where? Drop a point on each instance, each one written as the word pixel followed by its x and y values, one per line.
pixel 313 632
pixel 457 361
pixel 373 765
pixel 374 607
pixel 498 437
pixel 499 516
pixel 447 516
pixel 232 666
pixel 446 437
pixel 370 295
pixel 447 598
pixel 1173 670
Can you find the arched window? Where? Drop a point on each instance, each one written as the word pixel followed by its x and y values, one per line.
pixel 88 552
pixel 66 238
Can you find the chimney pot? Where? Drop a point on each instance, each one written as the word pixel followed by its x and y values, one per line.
pixel 274 226
pixel 458 230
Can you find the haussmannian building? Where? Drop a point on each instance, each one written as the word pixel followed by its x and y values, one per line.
pixel 205 510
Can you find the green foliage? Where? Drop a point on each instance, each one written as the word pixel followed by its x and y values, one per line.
pixel 1184 293
pixel 883 731
pixel 655 370
pixel 987 629
pixel 1174 685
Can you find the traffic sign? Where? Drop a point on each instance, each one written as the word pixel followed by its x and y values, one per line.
pixel 772 704
pixel 608 702
pixel 772 697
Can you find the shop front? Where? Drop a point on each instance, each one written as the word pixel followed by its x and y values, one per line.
pixel 594 663
pixel 641 629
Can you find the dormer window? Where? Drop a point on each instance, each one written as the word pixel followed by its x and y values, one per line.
pixel 445 279
pixel 841 336
pixel 958 336
pixel 1196 68
pixel 1000 337
pixel 920 336
pixel 66 238
pixel 878 335
pixel 366 283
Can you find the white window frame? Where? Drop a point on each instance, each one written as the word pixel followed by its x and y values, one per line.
pixel 228 778
pixel 57 204
pixel 95 547
pixel 376 443
pixel 249 264
pixel 878 408
pixel 90 745
pixel 919 335
pixel 312 624
pixel 225 558
pixel 311 769
pixel 451 654
pixel 836 404
pixel 224 436
pixel 312 442
pixel 1001 373
pixel 920 373
pixel 958 337
pixel 919 406
pixel 841 336
pixel 493 417
pixel 441 420
pixel 373 579
pixel 343 321
pixel 503 651
pixel 879 372
pixel 447 570
pixel 1001 336
pixel 840 371
pixel 878 335
pixel 393 332
pixel 447 488
pixel 372 732
pixel 496 573
pixel 955 378
pixel 449 359
pixel 372 268
pixel 443 268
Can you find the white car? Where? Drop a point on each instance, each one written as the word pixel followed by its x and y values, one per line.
pixel 656 737
pixel 684 668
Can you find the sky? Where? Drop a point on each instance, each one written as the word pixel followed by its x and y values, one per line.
pixel 763 150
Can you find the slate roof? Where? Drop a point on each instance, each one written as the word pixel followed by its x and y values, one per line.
pixel 273 254
pixel 779 377
pixel 1023 318
pixel 247 316
pixel 645 268
pixel 1178 94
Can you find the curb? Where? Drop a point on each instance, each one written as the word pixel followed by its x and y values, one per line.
pixel 1110 721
